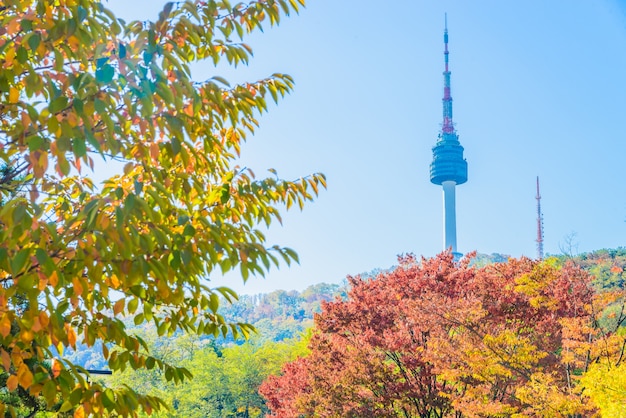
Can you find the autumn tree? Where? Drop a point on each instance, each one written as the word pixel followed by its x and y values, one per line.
pixel 226 378
pixel 437 338
pixel 598 348
pixel 78 85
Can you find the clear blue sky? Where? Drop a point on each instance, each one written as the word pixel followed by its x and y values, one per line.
pixel 539 88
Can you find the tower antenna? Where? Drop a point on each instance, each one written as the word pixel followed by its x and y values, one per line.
pixel 539 225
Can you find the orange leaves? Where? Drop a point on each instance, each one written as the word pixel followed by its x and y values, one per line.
pixel 78 287
pixel 71 335
pixel 11 27
pixel 476 342
pixel 53 279
pixel 24 377
pixel 12 382
pixel 56 368
pixel 115 281
pixel 80 412
pixel 119 306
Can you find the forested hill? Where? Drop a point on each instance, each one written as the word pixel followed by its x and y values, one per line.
pixel 283 315
pixel 228 374
pixel 278 316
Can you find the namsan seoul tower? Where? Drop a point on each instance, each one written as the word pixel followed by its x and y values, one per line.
pixel 448 168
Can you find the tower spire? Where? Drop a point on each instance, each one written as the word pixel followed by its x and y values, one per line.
pixel 448 168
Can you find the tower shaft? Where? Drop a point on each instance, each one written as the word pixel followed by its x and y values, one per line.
pixel 449 215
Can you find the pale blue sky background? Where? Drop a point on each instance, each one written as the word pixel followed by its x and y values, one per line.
pixel 539 88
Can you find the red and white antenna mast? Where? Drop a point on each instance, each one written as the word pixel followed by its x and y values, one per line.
pixel 539 225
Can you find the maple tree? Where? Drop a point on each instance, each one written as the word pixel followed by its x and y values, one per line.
pixel 78 84
pixel 437 338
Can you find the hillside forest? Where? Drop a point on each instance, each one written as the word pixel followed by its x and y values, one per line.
pixel 352 349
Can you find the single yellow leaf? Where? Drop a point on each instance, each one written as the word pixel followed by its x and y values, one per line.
pixel 71 336
pixel 27 336
pixel 79 412
pixel 5 325
pixel 6 360
pixel 43 282
pixel 115 282
pixel 14 95
pixel 25 377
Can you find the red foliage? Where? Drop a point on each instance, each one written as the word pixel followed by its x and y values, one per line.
pixel 436 338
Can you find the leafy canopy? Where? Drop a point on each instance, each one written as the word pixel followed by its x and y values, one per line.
pixel 77 85
pixel 441 338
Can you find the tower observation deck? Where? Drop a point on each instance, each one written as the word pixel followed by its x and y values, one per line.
pixel 448 168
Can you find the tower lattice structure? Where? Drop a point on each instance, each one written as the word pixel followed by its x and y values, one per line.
pixel 539 225
pixel 448 168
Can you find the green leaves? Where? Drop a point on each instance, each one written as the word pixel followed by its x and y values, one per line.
pixel 75 256
pixel 34 40
pixel 58 104
pixel 105 73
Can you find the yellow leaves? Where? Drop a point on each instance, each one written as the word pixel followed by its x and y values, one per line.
pixel 73 42
pixel 14 95
pixel 548 398
pixel 115 281
pixel 27 336
pixel 5 325
pixel 72 265
pixel 9 58
pixel 43 282
pixel 606 386
pixel 80 412
pixel 6 360
pixel 24 376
